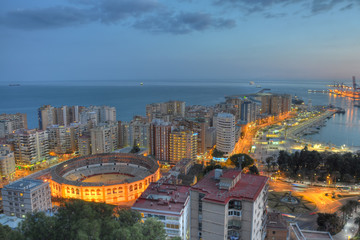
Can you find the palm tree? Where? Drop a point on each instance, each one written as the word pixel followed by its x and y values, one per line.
pixel 357 221
pixel 346 210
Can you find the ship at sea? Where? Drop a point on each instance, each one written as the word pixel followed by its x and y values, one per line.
pixel 346 91
pixel 14 85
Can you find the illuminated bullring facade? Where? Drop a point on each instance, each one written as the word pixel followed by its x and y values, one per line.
pixel 114 178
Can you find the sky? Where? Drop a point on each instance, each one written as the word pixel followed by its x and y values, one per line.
pixel 173 40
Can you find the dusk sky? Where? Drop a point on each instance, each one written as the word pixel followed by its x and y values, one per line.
pixel 52 40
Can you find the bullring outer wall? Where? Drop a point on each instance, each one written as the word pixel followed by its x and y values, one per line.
pixel 121 193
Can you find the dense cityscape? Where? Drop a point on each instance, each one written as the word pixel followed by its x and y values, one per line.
pixel 238 170
pixel 179 120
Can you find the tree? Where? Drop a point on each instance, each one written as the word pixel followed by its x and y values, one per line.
pixel 269 160
pixel 153 229
pixel 127 217
pixel 242 158
pixel 254 170
pixel 329 222
pixel 217 153
pixel 38 226
pixel 357 221
pixel 7 233
pixel 135 149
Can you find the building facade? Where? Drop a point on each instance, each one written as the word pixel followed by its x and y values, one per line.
pixel 26 196
pixel 160 139
pixel 30 146
pixel 183 144
pixel 169 204
pixel 104 139
pixel 63 139
pixel 7 162
pixel 11 122
pixel 225 132
pixel 229 205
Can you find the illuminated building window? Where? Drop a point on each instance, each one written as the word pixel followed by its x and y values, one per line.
pixel 98 192
pixel 114 190
pixel 68 190
pixel 140 186
pixel 77 191
pixel 131 188
pixel 86 191
pixel 72 190
pixel 120 189
pixel 108 191
pixel 92 192
pixel 135 187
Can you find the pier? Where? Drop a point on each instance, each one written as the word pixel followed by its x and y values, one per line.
pixel 293 131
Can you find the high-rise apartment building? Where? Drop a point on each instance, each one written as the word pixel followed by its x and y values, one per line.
pixel 183 144
pixel 225 132
pixel 30 146
pixel 275 104
pixel 11 122
pixel 84 145
pixel 226 204
pixel 104 139
pixel 166 110
pixel 46 116
pixel 7 162
pixel 139 132
pixel 97 115
pixel 63 139
pixel 124 134
pixel 160 139
pixel 249 111
pixel 26 196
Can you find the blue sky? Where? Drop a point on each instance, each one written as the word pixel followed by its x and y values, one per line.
pixel 78 40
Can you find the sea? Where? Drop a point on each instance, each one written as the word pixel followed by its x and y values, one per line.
pixel 131 97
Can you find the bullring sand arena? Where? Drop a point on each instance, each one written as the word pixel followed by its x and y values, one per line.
pixel 114 178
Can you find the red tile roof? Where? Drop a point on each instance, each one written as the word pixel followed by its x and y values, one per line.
pixel 247 188
pixel 163 197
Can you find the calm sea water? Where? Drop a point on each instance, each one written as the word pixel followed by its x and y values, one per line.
pixel 130 99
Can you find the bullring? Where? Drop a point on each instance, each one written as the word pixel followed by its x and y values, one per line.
pixel 113 178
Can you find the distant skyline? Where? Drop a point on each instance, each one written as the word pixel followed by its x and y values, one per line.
pixel 100 40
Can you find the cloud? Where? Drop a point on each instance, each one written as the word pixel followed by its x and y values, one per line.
pixel 105 11
pixel 314 6
pixel 183 23
pixel 54 17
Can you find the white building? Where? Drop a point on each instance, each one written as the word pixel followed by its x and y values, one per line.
pixel 168 203
pixel 26 195
pixel 30 146
pixel 104 139
pixel 7 162
pixel 225 132
pixel 229 205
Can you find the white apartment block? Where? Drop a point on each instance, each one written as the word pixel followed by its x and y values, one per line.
pixel 225 132
pixel 26 195
pixel 104 139
pixel 7 162
pixel 30 146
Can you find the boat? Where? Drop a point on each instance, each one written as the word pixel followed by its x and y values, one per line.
pixel 251 83
pixel 357 105
pixel 14 85
pixel 141 84
pixel 258 86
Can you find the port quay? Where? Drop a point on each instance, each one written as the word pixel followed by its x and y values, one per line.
pixel 294 131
